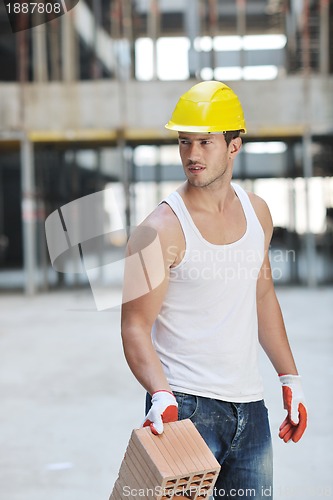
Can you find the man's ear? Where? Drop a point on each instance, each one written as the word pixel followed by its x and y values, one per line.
pixel 234 147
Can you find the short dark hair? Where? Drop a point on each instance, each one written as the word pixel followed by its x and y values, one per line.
pixel 231 134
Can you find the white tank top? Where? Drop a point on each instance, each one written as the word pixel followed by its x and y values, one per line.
pixel 206 333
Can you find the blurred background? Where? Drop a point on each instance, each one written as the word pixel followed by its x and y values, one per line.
pixel 83 102
pixel 84 99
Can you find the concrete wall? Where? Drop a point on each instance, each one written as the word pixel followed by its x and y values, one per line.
pixel 276 107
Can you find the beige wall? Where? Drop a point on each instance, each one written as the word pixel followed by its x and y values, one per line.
pixel 276 107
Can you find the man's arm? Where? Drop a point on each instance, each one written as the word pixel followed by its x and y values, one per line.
pixel 272 333
pixel 273 337
pixel 139 314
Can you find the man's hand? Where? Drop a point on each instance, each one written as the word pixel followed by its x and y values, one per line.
pixel 164 409
pixel 295 423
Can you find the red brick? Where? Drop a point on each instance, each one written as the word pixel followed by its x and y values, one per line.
pixel 156 467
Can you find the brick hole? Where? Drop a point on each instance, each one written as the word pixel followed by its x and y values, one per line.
pixel 171 482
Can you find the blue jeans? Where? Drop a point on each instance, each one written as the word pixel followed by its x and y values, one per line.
pixel 238 435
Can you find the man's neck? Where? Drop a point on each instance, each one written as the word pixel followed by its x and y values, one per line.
pixel 212 198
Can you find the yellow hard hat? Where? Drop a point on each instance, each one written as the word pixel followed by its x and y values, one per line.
pixel 208 106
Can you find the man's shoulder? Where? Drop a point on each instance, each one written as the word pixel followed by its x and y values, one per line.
pixel 262 211
pixel 258 203
pixel 163 226
pixel 162 219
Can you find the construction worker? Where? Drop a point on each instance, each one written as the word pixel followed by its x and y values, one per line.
pixel 192 341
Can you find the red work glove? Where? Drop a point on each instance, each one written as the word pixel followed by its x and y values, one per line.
pixel 164 408
pixel 295 423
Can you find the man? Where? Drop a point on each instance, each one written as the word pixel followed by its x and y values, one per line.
pixel 192 341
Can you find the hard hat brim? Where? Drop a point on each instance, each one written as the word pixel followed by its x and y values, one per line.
pixel 203 130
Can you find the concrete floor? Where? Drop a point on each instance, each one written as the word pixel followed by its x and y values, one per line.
pixel 68 402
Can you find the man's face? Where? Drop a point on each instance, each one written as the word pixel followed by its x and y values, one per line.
pixel 205 157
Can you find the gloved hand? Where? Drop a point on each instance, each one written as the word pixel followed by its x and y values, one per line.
pixel 295 423
pixel 164 408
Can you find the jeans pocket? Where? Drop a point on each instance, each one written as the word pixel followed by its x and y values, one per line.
pixel 187 405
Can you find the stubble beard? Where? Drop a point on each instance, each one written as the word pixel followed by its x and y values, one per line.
pixel 218 179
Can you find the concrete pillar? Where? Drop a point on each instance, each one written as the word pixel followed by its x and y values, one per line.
pixel 158 176
pixel 22 56
pixel 127 25
pixel 126 177
pixel 39 54
pixel 324 37
pixel 213 29
pixel 310 244
pixel 96 69
pixel 153 30
pixel 28 216
pixel 291 31
pixel 69 48
pixel 54 41
pixel 192 30
pixel 122 28
pixel 292 237
pixel 241 27
pixel 305 41
pixel 116 35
